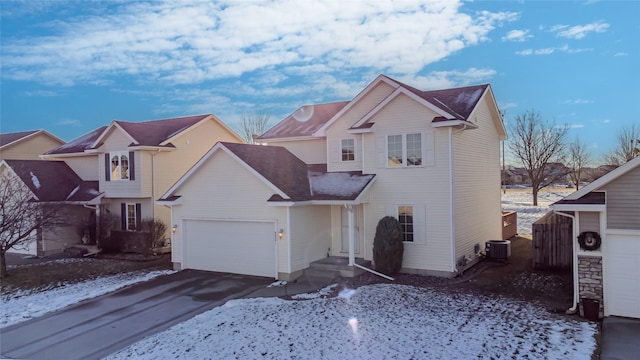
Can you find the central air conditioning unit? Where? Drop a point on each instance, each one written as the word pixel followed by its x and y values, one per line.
pixel 498 249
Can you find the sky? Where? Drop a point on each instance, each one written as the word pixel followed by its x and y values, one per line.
pixel 71 66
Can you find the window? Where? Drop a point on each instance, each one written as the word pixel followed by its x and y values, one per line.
pixel 348 150
pixel 131 216
pixel 404 150
pixel 119 165
pixel 405 218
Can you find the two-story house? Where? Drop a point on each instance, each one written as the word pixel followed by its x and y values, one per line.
pixel 134 163
pixel 325 175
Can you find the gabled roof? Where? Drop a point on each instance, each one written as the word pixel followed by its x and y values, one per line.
pixel 292 179
pixel 78 145
pixel 304 121
pixel 53 181
pixel 582 195
pixel 13 138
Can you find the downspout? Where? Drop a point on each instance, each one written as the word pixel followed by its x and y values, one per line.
pixel 574 308
pixel 153 184
pixel 452 222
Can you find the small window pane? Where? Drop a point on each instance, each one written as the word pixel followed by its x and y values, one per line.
pixel 405 218
pixel 115 167
pixel 414 149
pixel 348 150
pixel 124 163
pixel 394 150
pixel 131 217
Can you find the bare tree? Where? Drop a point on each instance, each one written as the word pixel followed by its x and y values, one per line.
pixel 627 146
pixel 579 158
pixel 253 125
pixel 539 145
pixel 21 216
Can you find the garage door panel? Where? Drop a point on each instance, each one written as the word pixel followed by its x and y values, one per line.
pixel 240 247
pixel 621 275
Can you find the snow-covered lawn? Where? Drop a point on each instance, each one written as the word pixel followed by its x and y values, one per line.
pixel 520 200
pixel 372 322
pixel 22 306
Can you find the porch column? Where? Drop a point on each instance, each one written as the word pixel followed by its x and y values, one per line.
pixel 352 236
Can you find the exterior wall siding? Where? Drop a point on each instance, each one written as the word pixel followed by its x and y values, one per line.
pixel 623 195
pixel 55 240
pixel 476 161
pixel 589 221
pixel 118 141
pixel 238 197
pixel 310 235
pixel 424 187
pixel 87 167
pixel 338 130
pixel 310 151
pixel 30 149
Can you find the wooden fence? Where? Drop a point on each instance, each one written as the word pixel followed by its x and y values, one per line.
pixel 509 224
pixel 552 242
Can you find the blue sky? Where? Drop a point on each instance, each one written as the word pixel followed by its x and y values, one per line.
pixel 71 66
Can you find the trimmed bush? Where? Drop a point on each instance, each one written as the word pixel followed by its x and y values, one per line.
pixel 388 247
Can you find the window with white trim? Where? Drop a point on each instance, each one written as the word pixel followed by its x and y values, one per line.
pixel 404 150
pixel 348 149
pixel 405 218
pixel 131 217
pixel 119 165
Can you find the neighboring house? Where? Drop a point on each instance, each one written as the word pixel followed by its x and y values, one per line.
pixel 606 218
pixel 53 183
pixel 515 176
pixel 27 145
pixel 135 162
pixel 330 172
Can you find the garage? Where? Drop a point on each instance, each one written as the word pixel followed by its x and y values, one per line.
pixel 621 274
pixel 239 247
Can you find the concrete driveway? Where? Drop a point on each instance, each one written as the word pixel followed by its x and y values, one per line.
pixel 101 326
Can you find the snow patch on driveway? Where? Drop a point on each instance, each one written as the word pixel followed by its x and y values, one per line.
pixel 22 306
pixel 376 321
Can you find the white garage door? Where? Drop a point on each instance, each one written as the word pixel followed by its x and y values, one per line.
pixel 239 247
pixel 622 275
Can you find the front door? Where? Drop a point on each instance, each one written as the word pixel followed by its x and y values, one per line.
pixel 344 212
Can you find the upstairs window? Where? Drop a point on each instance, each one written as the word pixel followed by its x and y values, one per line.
pixel 348 147
pixel 404 150
pixel 119 165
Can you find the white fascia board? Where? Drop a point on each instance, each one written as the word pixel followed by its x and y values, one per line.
pixel 606 178
pixel 453 123
pixel 169 203
pixel 381 78
pixel 108 129
pixel 362 131
pixel 152 148
pixel 579 207
pixel 293 138
pixel 287 203
pixel 65 155
pixel 395 94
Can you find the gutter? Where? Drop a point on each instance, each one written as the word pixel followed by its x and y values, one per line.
pixel 574 308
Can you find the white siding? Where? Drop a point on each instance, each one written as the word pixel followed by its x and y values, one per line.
pixel 118 141
pixel 310 235
pixel 476 162
pixel 212 193
pixel 623 195
pixel 422 187
pixel 87 167
pixel 589 221
pixel 311 151
pixel 338 130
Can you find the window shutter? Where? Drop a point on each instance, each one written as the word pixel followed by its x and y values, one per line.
pixel 428 146
pixel 381 152
pixel 123 216
pixel 138 216
pixel 132 166
pixel 107 167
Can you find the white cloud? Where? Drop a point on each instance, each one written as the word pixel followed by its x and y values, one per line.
pixel 192 42
pixel 621 54
pixel 577 102
pixel 579 31
pixel 575 126
pixel 69 122
pixel 517 36
pixel 606 121
pixel 547 51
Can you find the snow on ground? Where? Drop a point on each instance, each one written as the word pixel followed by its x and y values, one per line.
pixel 22 306
pixel 521 201
pixel 372 322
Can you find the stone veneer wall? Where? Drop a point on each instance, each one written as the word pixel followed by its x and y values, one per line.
pixel 590 280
